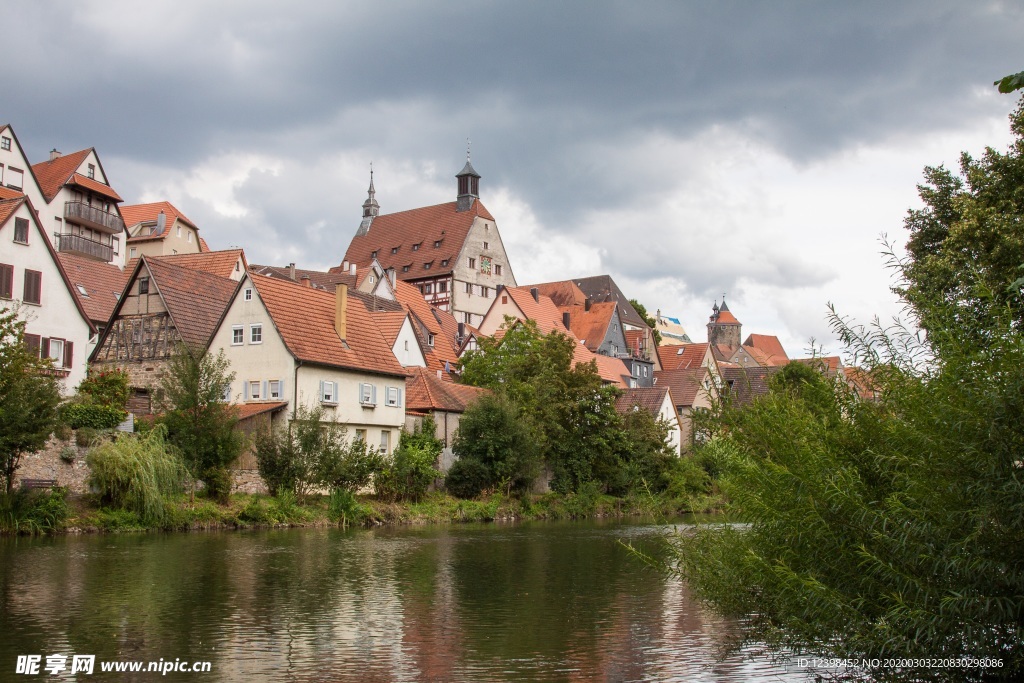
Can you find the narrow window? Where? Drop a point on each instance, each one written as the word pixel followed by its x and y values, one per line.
pixel 486 246
pixel 21 230
pixel 143 285
pixel 472 262
pixel 497 269
pixel 5 143
pixel 248 294
pixel 256 334
pixel 394 397
pixel 430 340
pixel 469 288
pixel 189 236
pixel 361 435
pixel 6 281
pixel 33 287
pixel 92 171
pixel 385 441
pixel 132 252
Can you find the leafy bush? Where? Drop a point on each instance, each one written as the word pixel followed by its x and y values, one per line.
pixel 492 433
pixel 136 472
pixel 33 511
pixel 344 508
pixel 411 471
pixel 92 415
pixel 276 462
pixel 467 478
pixel 109 388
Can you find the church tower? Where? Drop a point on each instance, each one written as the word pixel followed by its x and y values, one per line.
pixel 723 327
pixel 371 209
pixel 469 186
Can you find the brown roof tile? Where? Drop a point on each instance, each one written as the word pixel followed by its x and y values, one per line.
pixel 103 284
pixel 439 323
pixel 246 410
pixel 219 263
pixel 195 299
pixel 425 227
pixel 325 280
pixel 675 356
pixel 770 345
pixel 591 326
pixel 304 317
pixel 684 383
pixel 426 391
pixel 648 398
pixel 744 385
pixel 53 175
pixel 134 214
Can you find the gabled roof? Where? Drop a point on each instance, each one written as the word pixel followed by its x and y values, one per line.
pixel 675 356
pixel 830 365
pixel 439 323
pixel 8 207
pixel 770 345
pixel 325 280
pixel 591 326
pixel 649 398
pixel 744 385
pixel 684 383
pixel 634 340
pixel 390 324
pixel 135 214
pixel 304 317
pixel 219 263
pixel 425 227
pixel 425 391
pixel 56 173
pixel 601 288
pixel 563 293
pixel 195 300
pixel 102 282
pixel 8 193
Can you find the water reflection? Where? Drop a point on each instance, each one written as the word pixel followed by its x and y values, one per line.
pixel 528 602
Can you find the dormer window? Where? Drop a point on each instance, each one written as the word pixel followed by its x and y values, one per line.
pixel 373 254
pixel 437 243
pixel 430 340
pixel 416 247
pixel 426 266
pixel 405 269
pixel 394 250
pixel 444 263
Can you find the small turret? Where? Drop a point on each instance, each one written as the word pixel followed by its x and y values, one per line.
pixel 371 209
pixel 469 185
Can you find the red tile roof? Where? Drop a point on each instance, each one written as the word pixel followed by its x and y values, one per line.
pixel 143 213
pixel 634 340
pixel 425 227
pixel 325 280
pixel 219 263
pixel 426 391
pixel 94 185
pixel 563 293
pixel 8 193
pixel 53 175
pixel 725 318
pixel 744 385
pixel 439 323
pixel 304 317
pixel 390 324
pixel 244 411
pixel 196 300
pixel 675 356
pixel 203 246
pixel 8 206
pixel 591 326
pixel 103 284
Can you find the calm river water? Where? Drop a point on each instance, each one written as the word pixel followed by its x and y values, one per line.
pixel 540 601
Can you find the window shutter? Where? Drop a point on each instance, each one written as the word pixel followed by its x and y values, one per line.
pixel 245 391
pixel 373 394
pixel 334 392
pixel 44 348
pixel 321 390
pixel 69 353
pixel 6 281
pixel 280 384
pixel 264 395
pixel 32 343
pixel 399 397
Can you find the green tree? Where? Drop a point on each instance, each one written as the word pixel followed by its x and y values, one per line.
pixel 200 424
pixel 413 466
pixel 966 246
pixel 1008 84
pixel 895 527
pixel 500 445
pixel 29 397
pixel 649 319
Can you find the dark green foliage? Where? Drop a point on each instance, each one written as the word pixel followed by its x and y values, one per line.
pixel 468 478
pixel 412 469
pixel 276 461
pixel 647 463
pixel 108 388
pixel 91 415
pixel 136 473
pixel 199 424
pixel 492 434
pixel 1008 84
pixel 28 398
pixel 649 319
pixel 33 511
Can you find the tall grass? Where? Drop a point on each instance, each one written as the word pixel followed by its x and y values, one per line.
pixel 136 472
pixel 33 512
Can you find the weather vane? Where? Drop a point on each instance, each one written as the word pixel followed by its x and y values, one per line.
pixel 467 148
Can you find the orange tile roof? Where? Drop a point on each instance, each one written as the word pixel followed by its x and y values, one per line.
pixel 425 227
pixel 770 345
pixel 648 398
pixel 304 317
pixel 103 284
pixel 219 263
pixel 196 300
pixel 53 175
pixel 439 323
pixel 203 246
pixel 591 326
pixel 725 318
pixel 134 214
pixel 8 193
pixel 862 383
pixel 8 206
pixel 426 391
pixel 675 356
pixel 244 411
pixel 634 340
pixel 390 324
pixel 94 185
pixel 830 365
pixel 563 293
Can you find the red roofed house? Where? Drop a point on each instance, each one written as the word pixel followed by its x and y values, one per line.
pixel 452 252
pixel 33 280
pixel 692 389
pixel 159 229
pixel 445 401
pixel 759 350
pixel 658 401
pixel 81 213
pixel 294 343
pixel 163 304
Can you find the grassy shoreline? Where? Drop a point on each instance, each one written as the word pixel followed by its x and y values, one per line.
pixel 55 513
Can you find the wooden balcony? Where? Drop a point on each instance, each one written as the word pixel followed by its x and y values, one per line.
pixel 92 217
pixel 76 244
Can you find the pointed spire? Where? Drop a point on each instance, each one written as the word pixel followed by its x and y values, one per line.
pixel 371 209
pixel 469 184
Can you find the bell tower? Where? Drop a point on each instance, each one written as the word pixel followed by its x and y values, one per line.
pixel 723 327
pixel 469 185
pixel 371 209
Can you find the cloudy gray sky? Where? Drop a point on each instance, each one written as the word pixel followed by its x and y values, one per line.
pixel 689 149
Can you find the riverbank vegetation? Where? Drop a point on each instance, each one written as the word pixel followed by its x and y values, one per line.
pixel 893 529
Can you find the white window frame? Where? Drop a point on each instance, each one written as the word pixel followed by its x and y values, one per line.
pixel 367 394
pixel 254 390
pixel 256 333
pixel 385 441
pixel 248 292
pixel 329 392
pixel 237 335
pixel 393 397
pixel 274 389
pixel 58 358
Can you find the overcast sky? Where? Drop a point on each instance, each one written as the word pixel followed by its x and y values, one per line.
pixel 689 149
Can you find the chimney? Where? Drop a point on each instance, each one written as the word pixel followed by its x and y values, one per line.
pixel 306 282
pixel 587 304
pixel 341 310
pixel 54 154
pixel 565 319
pixel 535 293
pixel 161 222
pixel 352 268
pixel 291 271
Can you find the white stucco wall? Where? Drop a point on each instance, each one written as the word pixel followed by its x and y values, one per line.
pixel 56 316
pixel 483 230
pixel 407 349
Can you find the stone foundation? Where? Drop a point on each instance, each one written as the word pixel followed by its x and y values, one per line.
pixel 70 470
pixel 247 481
